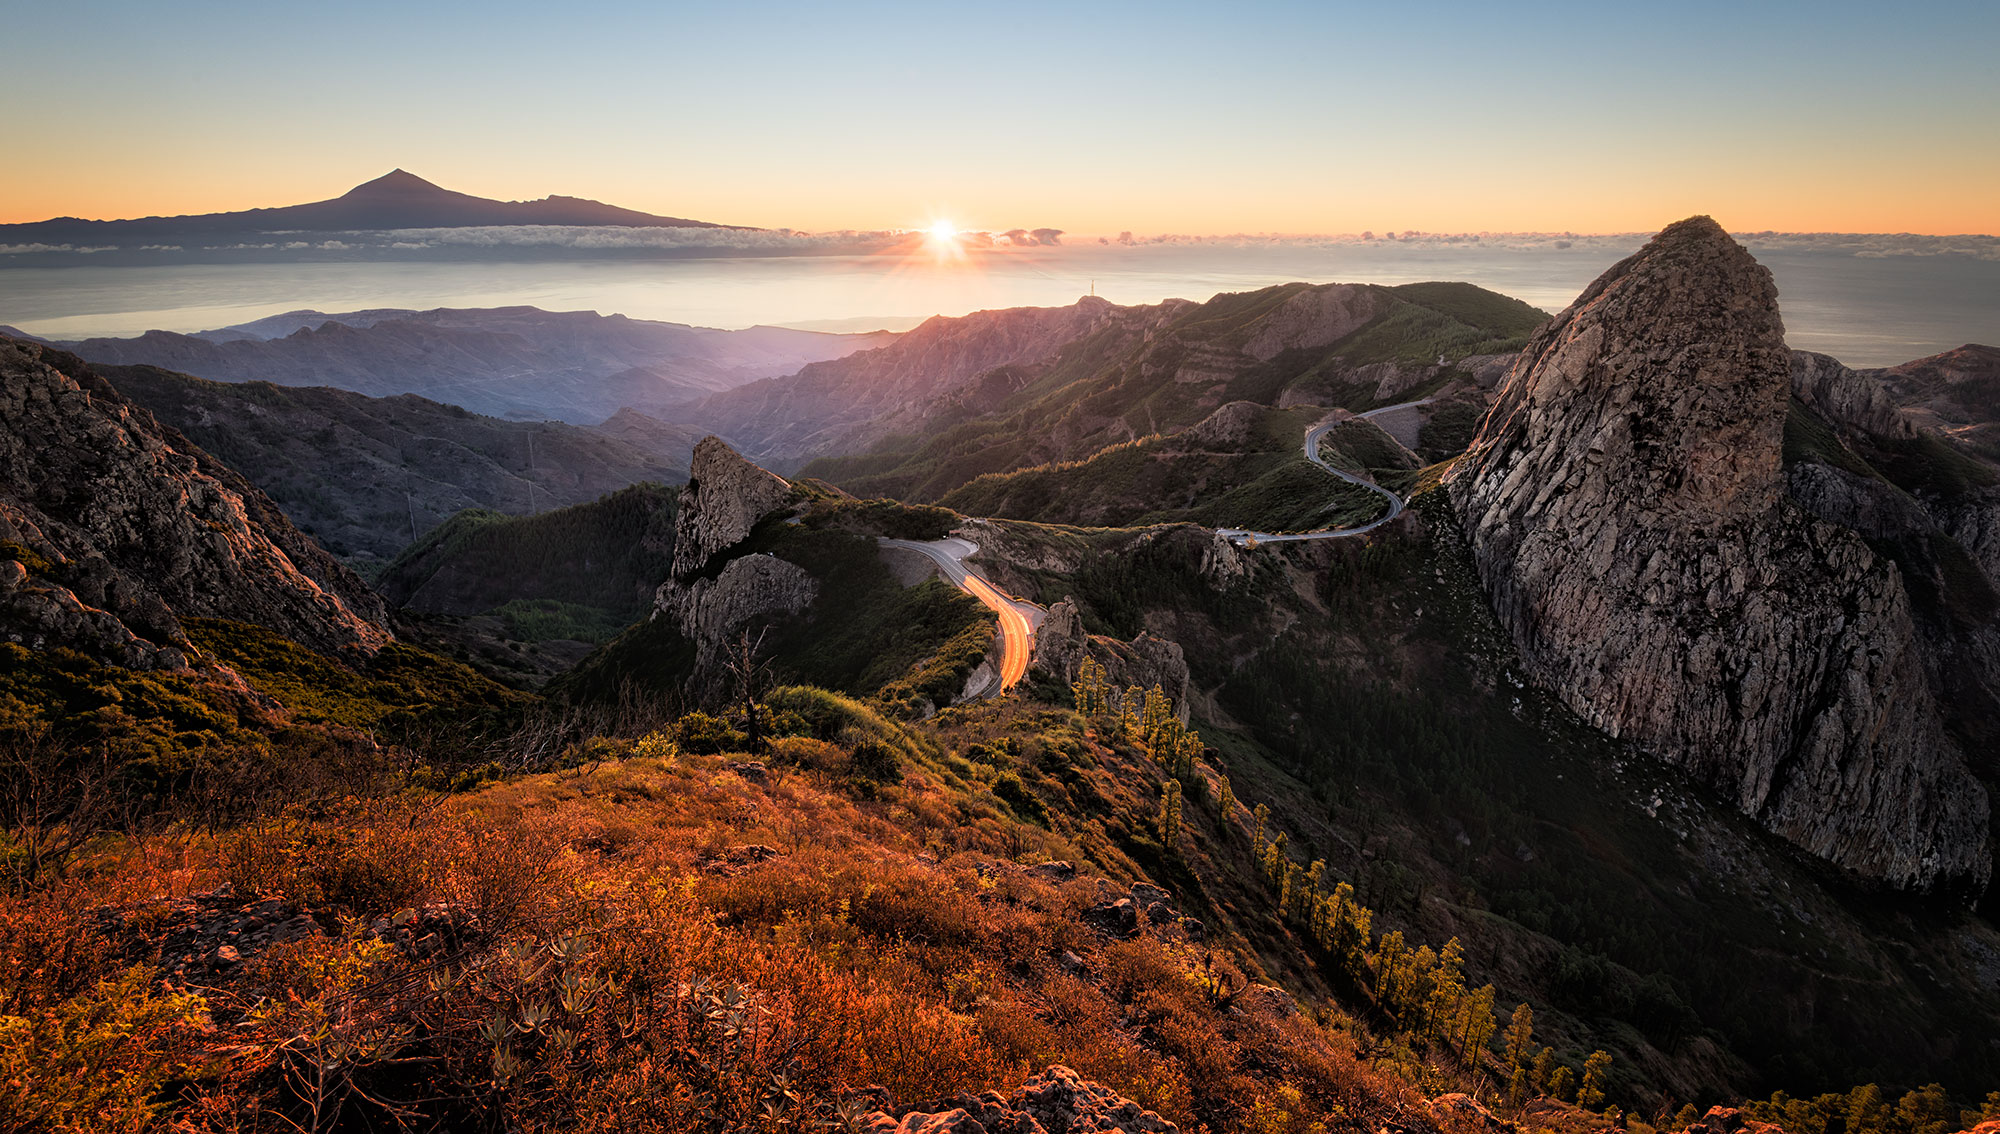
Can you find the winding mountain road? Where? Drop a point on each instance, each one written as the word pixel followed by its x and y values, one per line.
pixel 1018 619
pixel 1243 537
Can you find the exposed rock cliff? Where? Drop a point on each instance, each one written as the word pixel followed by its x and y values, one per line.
pixel 724 498
pixel 1846 396
pixel 125 528
pixel 1626 509
pixel 710 611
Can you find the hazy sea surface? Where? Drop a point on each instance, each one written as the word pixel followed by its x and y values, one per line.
pixel 1866 309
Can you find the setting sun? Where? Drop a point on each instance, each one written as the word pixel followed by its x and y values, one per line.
pixel 943 231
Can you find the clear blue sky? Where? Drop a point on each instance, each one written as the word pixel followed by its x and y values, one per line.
pixel 1326 117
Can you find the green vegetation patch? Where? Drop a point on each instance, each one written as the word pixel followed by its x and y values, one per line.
pixel 607 555
pixel 647 661
pixel 156 716
pixel 865 630
pixel 397 687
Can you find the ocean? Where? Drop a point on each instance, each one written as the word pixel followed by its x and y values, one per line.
pixel 1867 301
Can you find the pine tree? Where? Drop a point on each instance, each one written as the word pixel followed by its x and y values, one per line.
pixel 1129 712
pixel 1476 1028
pixel 1225 802
pixel 1263 816
pixel 1157 719
pixel 1388 968
pixel 1170 814
pixel 1520 1033
pixel 1545 1070
pixel 1590 1096
pixel 1092 689
pixel 1518 1086
pixel 1562 1084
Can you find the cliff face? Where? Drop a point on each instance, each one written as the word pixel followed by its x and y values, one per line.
pixel 724 498
pixel 1627 513
pixel 125 528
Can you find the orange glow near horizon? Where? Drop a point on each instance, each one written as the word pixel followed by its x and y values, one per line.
pixel 1864 204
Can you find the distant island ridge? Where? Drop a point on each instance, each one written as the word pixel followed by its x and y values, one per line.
pixel 396 200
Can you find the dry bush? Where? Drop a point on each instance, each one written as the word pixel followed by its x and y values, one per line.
pixel 49 949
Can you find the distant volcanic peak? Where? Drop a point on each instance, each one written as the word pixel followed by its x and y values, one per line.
pixel 397 182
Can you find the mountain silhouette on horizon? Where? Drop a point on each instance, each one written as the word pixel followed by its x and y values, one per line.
pixel 397 199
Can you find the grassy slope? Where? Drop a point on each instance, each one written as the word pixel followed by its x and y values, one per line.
pixel 1265 483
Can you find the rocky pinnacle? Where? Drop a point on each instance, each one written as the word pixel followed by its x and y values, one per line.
pixel 1626 509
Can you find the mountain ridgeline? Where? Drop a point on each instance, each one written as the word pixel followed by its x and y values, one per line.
pixel 395 200
pixel 998 391
pixel 518 362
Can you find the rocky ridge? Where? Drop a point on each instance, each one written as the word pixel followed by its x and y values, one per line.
pixel 366 477
pixel 834 406
pixel 118 527
pixel 1625 506
pixel 723 501
pixel 724 498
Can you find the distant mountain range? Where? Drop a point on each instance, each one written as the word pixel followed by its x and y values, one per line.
pixel 394 200
pixel 517 362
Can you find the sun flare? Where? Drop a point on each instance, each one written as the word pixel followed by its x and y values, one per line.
pixel 944 231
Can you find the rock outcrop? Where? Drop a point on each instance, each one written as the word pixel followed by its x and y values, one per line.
pixel 1853 399
pixel 1626 509
pixel 723 502
pixel 709 612
pixel 123 528
pixel 1147 660
pixel 724 498
pixel 1057 1101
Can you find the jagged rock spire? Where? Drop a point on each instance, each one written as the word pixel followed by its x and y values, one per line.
pixel 1625 506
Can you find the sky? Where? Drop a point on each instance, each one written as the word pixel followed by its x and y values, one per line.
pixel 1204 118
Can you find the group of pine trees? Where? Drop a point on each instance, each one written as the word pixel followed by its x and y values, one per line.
pixel 1867 1110
pixel 1422 989
pixel 1147 717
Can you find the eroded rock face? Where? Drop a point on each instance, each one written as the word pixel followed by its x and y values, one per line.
pixel 1626 509
pixel 138 529
pixel 751 589
pixel 1855 400
pixel 1061 644
pixel 724 498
